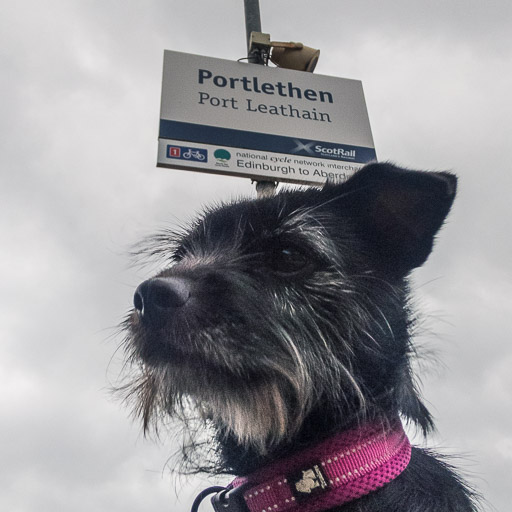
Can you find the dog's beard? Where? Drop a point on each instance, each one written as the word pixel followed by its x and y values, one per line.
pixel 258 410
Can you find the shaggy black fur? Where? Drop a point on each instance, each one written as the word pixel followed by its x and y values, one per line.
pixel 283 320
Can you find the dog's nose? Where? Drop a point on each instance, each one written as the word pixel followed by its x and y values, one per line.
pixel 156 298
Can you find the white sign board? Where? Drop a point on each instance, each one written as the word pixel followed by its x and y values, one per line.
pixel 227 117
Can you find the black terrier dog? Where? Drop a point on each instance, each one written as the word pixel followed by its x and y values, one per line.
pixel 284 325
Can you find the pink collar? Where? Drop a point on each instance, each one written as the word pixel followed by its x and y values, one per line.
pixel 336 471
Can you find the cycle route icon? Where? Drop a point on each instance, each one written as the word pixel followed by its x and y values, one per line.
pixel 185 153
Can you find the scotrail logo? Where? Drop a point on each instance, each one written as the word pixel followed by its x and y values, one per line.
pixel 184 153
pixel 335 152
pixel 317 150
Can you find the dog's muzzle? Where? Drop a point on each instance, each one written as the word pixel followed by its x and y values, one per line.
pixel 156 300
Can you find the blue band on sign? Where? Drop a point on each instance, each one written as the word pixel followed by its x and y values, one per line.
pixel 264 142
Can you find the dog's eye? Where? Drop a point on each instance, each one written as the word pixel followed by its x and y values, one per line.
pixel 288 260
pixel 178 255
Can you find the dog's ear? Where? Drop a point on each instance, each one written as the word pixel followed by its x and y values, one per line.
pixel 399 211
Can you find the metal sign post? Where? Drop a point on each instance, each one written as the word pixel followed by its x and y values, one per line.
pixel 253 24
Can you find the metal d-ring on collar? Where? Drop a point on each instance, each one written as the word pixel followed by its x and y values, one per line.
pixel 226 499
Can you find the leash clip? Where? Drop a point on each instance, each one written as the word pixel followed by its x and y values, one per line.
pixel 230 500
pixel 226 499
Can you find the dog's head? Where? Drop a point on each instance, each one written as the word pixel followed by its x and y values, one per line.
pixel 269 310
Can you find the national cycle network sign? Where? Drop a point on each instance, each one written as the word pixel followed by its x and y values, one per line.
pixel 227 117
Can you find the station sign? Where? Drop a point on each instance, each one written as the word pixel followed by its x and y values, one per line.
pixel 226 117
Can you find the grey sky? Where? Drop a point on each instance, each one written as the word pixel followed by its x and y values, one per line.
pixel 80 92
